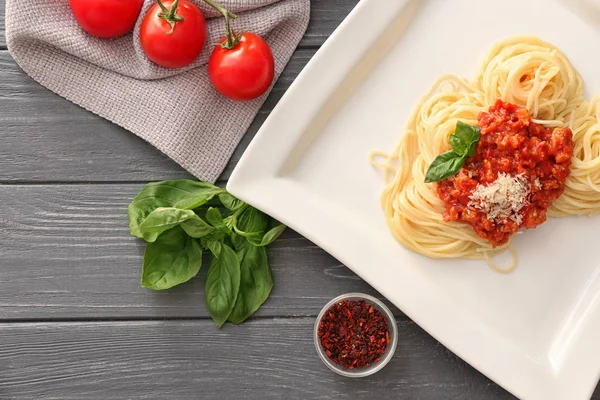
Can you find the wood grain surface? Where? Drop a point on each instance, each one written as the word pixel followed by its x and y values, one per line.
pixel 263 359
pixel 67 253
pixel 48 139
pixel 75 323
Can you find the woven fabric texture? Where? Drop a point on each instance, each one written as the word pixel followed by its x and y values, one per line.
pixel 176 110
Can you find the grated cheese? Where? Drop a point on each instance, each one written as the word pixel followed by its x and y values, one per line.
pixel 503 198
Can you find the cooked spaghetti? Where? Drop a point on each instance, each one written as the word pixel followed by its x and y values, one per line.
pixel 550 158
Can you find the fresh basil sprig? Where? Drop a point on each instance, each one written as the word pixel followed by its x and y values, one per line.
pixel 222 285
pixel 182 194
pixel 174 258
pixel 464 142
pixel 256 283
pixel 181 220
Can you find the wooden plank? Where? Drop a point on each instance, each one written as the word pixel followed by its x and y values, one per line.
pixel 326 15
pixel 66 252
pixel 46 138
pixel 264 359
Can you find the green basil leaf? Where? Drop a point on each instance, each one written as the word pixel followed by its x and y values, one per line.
pixel 458 146
pixel 464 139
pixel 183 193
pixel 229 202
pixel 251 220
pixel 200 198
pixel 445 165
pixel 229 221
pixel 273 234
pixel 253 237
pixel 217 234
pixel 222 285
pixel 269 237
pixel 213 215
pixel 214 246
pixel 459 140
pixel 238 241
pixel 474 142
pixel 464 143
pixel 163 219
pixel 196 227
pixel 255 285
pixel 174 258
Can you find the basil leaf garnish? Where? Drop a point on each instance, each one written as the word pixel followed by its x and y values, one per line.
pixel 445 165
pixel 464 143
pixel 464 139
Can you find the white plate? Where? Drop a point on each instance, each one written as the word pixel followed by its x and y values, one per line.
pixel 536 332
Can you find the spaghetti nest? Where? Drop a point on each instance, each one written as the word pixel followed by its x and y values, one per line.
pixel 524 71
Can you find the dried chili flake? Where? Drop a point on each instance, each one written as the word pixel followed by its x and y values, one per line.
pixel 354 334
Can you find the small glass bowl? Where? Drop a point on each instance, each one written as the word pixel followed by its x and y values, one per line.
pixel 389 351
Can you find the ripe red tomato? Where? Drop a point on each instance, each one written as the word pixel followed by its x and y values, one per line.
pixel 175 44
pixel 244 72
pixel 107 18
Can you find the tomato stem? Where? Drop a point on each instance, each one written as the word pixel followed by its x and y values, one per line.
pixel 162 7
pixel 171 15
pixel 232 38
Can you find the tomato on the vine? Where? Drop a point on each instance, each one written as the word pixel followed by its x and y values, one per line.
pixel 243 70
pixel 173 33
pixel 107 18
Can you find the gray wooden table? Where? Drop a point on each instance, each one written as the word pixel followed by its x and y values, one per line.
pixel 75 323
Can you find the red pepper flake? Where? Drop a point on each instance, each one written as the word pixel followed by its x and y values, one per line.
pixel 354 334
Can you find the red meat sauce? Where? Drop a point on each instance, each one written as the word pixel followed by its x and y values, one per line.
pixel 510 143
